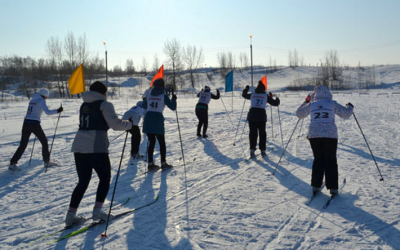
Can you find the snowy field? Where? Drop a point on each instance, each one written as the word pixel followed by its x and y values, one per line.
pixel 216 199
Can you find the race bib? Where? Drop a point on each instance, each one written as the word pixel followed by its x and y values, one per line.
pixel 155 103
pixel 205 97
pixel 258 100
pixel 322 112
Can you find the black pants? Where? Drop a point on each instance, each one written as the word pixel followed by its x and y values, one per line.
pixel 27 130
pixel 152 143
pixel 202 115
pixel 257 128
pixel 325 162
pixel 85 163
pixel 135 139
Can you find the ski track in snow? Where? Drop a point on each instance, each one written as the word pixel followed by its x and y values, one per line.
pixel 218 200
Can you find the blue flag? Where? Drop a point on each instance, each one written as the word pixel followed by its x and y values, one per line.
pixel 229 82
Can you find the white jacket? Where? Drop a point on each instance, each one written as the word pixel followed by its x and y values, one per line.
pixel 36 107
pixel 136 113
pixel 323 130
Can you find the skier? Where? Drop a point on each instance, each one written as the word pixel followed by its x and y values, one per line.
pixel 90 148
pixel 135 114
pixel 202 109
pixel 32 125
pixel 323 135
pixel 153 124
pixel 257 116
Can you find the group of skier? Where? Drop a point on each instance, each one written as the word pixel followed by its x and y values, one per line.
pixel 97 115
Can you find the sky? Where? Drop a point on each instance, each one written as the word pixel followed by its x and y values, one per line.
pixel 361 31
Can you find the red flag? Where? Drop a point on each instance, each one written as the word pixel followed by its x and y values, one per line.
pixel 159 74
pixel 264 80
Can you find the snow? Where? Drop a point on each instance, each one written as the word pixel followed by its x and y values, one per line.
pixel 217 199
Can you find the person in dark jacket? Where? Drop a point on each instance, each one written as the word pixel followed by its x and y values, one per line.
pixel 32 125
pixel 257 116
pixel 153 123
pixel 90 148
pixel 202 109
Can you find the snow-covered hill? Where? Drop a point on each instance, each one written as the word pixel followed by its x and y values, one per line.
pixel 216 199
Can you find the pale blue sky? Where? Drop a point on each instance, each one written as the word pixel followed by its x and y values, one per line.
pixel 360 30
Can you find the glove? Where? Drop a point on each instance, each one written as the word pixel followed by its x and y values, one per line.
pixel 308 99
pixel 247 87
pixel 349 104
pixel 174 97
pixel 270 95
pixel 60 109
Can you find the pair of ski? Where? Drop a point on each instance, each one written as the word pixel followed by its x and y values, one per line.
pixel 328 202
pixel 91 225
pixel 166 169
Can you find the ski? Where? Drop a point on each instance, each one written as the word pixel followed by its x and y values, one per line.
pixel 328 202
pixel 178 161
pixel 96 223
pixel 315 194
pixel 66 228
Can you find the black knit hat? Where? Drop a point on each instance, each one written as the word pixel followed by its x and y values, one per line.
pixel 261 85
pixel 98 87
pixel 159 82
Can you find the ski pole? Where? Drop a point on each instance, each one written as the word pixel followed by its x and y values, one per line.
pixel 273 173
pixel 227 113
pixel 272 124
pixel 373 157
pixel 33 146
pixel 244 125
pixel 115 187
pixel 180 139
pixel 301 126
pixel 234 142
pixel 116 137
pixel 280 125
pixel 54 136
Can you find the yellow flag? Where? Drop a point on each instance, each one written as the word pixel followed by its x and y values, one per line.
pixel 76 82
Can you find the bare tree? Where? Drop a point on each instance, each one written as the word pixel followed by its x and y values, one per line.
pixel 222 61
pixel 156 63
pixel 173 50
pixel 54 51
pixel 193 59
pixel 230 60
pixel 244 60
pixel 129 67
pixel 145 65
pixel 71 50
pixel 83 50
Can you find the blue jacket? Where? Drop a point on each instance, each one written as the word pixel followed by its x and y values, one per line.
pixel 153 122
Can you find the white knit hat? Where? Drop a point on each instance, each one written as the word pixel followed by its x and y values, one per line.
pixel 44 92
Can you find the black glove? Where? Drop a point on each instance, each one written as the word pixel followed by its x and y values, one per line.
pixel 174 97
pixel 60 109
pixel 308 99
pixel 270 95
pixel 349 104
pixel 247 87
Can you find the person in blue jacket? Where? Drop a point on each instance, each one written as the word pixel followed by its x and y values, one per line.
pixel 153 123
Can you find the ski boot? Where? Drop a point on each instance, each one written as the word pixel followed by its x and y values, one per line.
pixel 165 166
pixel 13 167
pixel 152 167
pixel 71 219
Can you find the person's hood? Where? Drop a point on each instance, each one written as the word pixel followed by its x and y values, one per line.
pixel 37 96
pixel 322 92
pixel 92 96
pixel 157 90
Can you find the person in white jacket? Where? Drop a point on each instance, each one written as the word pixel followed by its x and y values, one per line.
pixel 90 148
pixel 32 125
pixel 135 114
pixel 323 135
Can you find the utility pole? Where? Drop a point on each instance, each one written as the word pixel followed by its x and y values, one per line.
pixel 105 47
pixel 251 58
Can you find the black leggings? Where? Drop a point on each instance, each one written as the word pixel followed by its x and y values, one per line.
pixel 85 163
pixel 202 115
pixel 27 130
pixel 152 143
pixel 135 139
pixel 325 162
pixel 257 129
